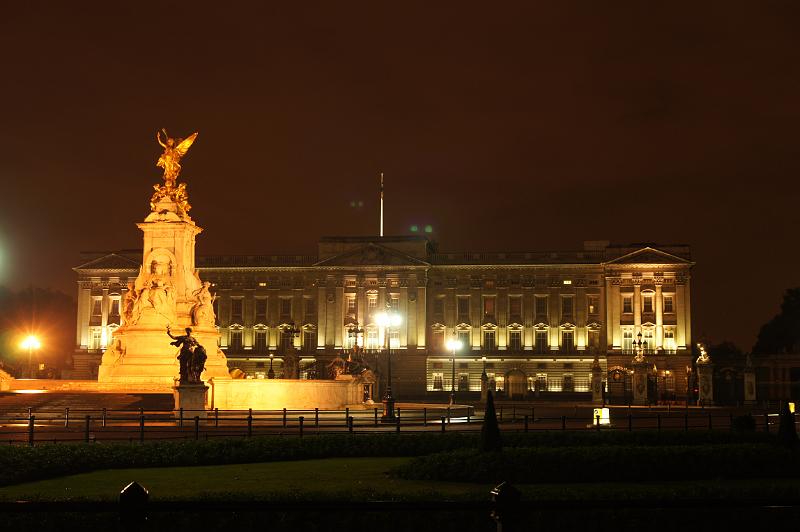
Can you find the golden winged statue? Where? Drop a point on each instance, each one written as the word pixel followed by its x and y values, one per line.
pixel 170 160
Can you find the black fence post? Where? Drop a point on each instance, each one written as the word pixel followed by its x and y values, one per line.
pixel 709 421
pixel 376 416
pixel 300 424
pixel 526 423
pixel 658 420
pixel 563 422
pixel 630 422
pixel 686 422
pixel 533 414
pixel 425 417
pixel 514 413
pixel 316 417
pixel 180 417
pixel 597 422
pixel 66 417
pixel 141 428
pixel 731 422
pixel 86 429
pixel 284 417
pixel 448 413
pixel 31 419
pixel 444 423
pixel 250 423
pixel 104 418
pixel 766 422
pixel 501 413
pixel 349 424
pixel 196 427
pixel 346 415
pixel 216 418
pixel 469 414
pixel 397 422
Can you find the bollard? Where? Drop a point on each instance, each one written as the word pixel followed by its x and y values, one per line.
pixel 630 422
pixel 658 420
pixel 300 424
pixel 444 423
pixel 31 419
pixel 196 427
pixel 284 418
pixel 86 429
pixel 316 417
pixel 250 424
pixel 376 417
pixel 424 417
pixel 66 417
pixel 709 421
pixel 180 417
pixel 104 418
pixel 766 422
pixel 526 423
pixel 216 418
pixel 141 428
pixel 563 422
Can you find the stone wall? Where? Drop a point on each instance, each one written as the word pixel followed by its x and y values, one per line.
pixel 276 394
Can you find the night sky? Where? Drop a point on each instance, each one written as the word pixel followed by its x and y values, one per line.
pixel 505 127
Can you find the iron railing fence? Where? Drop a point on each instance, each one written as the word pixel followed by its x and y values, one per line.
pixel 91 425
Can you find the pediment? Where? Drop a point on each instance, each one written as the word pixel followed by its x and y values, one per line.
pixel 648 255
pixel 372 255
pixel 112 261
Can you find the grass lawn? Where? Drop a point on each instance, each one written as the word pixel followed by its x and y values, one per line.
pixel 358 479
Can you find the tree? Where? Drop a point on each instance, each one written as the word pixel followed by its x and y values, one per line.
pixel 490 432
pixel 781 334
pixel 726 353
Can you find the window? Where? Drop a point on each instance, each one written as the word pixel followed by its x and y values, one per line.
pixel 515 308
pixel 438 308
pixel 463 309
pixel 488 307
pixel 541 382
pixel 261 310
pixel 97 307
pixel 647 303
pixel 309 310
pixel 541 308
pixel 437 341
pixel 567 342
pixel 236 340
pixel 352 307
pixel 668 304
pixel 94 342
pixel 463 382
pixel 236 310
pixel 285 310
pixel 592 303
pixel 515 340
pixel 488 340
pixel 627 340
pixel 463 337
pixel 372 339
pixel 627 304
pixel 394 338
pixel 260 343
pixel 287 340
pixel 113 313
pixel 647 340
pixel 594 340
pixel 372 302
pixel 566 307
pixel 541 341
pixel 438 381
pixel 394 301
pixel 309 341
pixel 499 383
pixel 669 340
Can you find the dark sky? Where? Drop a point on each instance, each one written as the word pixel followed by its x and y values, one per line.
pixel 506 127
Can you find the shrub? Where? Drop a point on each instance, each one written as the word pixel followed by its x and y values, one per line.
pixel 490 431
pixel 787 431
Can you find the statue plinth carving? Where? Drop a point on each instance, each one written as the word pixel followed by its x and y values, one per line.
pixel 167 292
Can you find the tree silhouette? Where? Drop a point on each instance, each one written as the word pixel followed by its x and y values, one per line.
pixel 490 432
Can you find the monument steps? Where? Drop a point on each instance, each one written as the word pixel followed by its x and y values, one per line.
pixel 77 402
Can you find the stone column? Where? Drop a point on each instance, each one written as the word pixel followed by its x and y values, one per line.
pixel 705 384
pixel 597 382
pixel 659 308
pixel 192 398
pixel 640 372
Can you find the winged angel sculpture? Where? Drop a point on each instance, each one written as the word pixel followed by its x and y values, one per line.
pixel 170 161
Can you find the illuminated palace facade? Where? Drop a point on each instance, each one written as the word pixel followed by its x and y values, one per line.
pixel 534 322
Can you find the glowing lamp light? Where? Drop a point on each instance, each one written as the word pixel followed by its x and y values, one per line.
pixel 454 345
pixel 30 343
pixel 388 319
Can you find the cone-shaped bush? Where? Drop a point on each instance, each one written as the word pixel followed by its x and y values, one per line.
pixel 490 433
pixel 787 432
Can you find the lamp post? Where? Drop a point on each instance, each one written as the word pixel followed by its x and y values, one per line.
pixel 453 345
pixel 640 347
pixel 353 331
pixel 271 372
pixel 388 320
pixel 30 343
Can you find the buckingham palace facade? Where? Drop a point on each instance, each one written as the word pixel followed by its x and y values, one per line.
pixel 534 322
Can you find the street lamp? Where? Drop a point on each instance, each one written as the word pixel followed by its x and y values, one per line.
pixel 453 345
pixel 640 347
pixel 388 320
pixel 30 343
pixel 271 372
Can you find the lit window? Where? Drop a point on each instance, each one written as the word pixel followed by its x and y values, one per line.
pixel 541 341
pixel 668 304
pixel 515 340
pixel 567 342
pixel 567 281
pixel 488 340
pixel 488 306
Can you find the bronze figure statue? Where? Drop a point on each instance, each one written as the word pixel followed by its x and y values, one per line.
pixel 192 356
